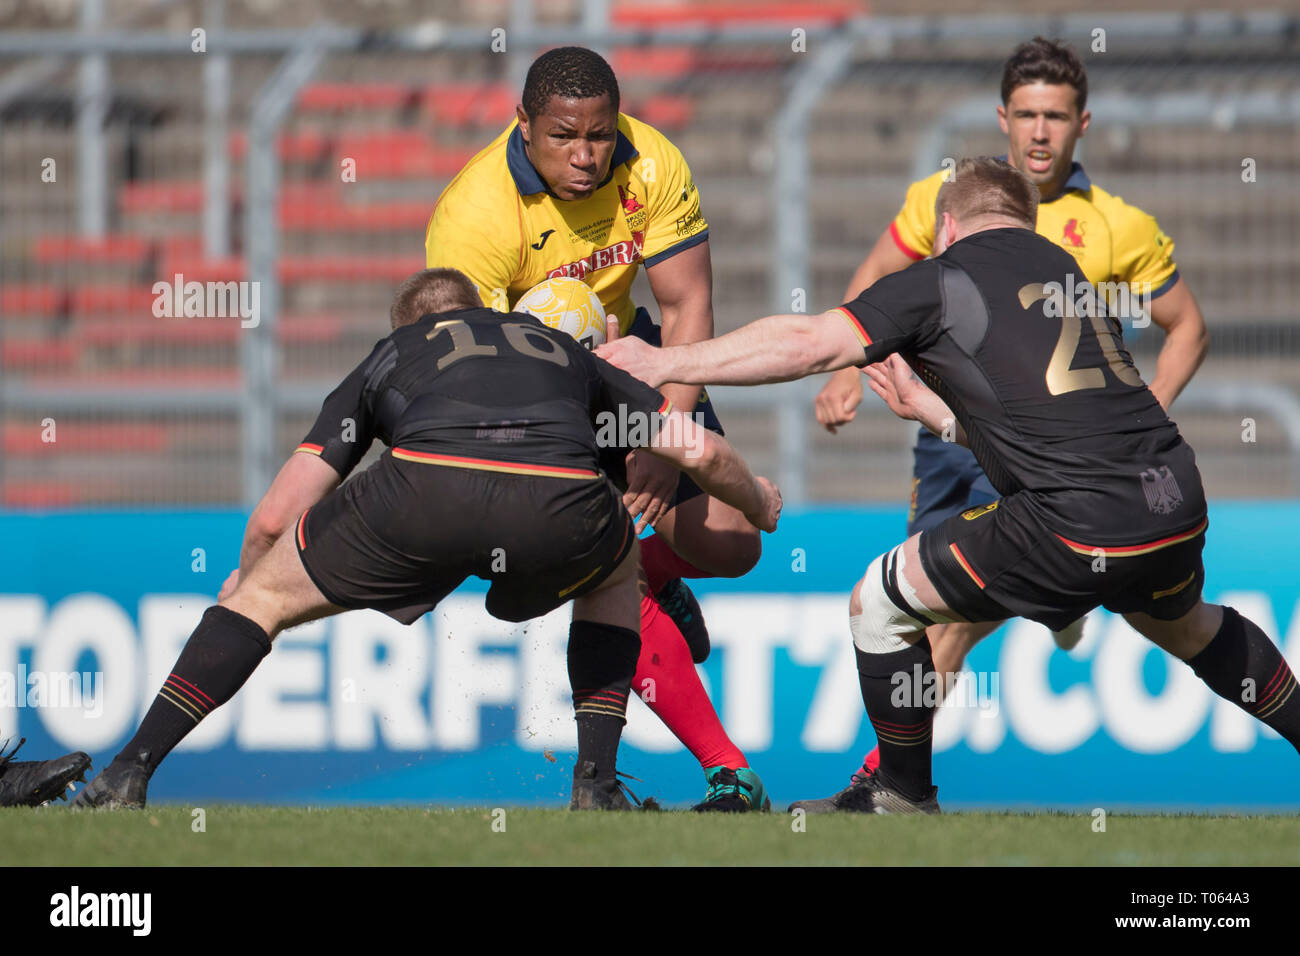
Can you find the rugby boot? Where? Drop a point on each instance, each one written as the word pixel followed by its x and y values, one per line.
pixel 679 603
pixel 603 793
pixel 122 785
pixel 30 783
pixel 869 794
pixel 733 791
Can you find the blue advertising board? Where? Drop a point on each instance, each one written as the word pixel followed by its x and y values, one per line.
pixel 462 709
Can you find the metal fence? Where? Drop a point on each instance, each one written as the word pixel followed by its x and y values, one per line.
pixel 305 163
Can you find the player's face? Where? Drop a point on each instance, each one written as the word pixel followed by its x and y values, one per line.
pixel 1042 123
pixel 570 143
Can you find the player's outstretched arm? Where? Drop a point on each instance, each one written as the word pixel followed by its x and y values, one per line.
pixel 779 348
pixel 718 469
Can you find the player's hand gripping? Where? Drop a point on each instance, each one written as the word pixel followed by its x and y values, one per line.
pixel 838 401
pixel 769 513
pixel 639 359
pixel 905 394
pixel 228 588
pixel 651 487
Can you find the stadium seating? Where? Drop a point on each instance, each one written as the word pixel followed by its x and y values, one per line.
pixel 79 311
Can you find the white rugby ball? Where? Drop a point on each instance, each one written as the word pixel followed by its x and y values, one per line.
pixel 569 305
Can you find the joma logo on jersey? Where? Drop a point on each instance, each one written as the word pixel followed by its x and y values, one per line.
pixel 625 253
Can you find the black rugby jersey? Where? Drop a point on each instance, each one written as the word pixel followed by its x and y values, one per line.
pixel 1025 352
pixel 480 389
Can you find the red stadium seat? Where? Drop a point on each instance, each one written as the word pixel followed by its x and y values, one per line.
pixel 200 269
pixel 180 378
pixel 677 63
pixel 24 494
pixel 110 301
pixel 121 249
pixel 73 437
pixel 371 218
pixel 817 12
pixel 186 195
pixel 401 154
pixel 299 145
pixel 658 62
pixel 347 268
pixel 358 96
pixel 42 353
pixel 32 299
pixel 664 112
pixel 470 104
pixel 296 329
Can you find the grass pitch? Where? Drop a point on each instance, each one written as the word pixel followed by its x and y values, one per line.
pixel 370 836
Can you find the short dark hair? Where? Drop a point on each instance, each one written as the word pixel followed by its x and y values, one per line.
pixel 432 290
pixel 984 187
pixel 572 72
pixel 1047 61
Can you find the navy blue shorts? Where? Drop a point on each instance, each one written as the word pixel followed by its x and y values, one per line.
pixel 612 461
pixel 946 480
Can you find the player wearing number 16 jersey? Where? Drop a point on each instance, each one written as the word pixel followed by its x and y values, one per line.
pixel 489 419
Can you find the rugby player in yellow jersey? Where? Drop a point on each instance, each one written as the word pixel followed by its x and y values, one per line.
pixel 575 188
pixel 1044 93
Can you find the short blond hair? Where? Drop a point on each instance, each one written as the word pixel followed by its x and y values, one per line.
pixel 432 290
pixel 985 187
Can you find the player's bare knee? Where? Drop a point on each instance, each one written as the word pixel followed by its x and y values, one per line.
pixel 855 602
pixel 1184 637
pixel 616 600
pixel 744 550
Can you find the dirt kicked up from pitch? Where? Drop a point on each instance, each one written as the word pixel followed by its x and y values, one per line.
pixel 367 836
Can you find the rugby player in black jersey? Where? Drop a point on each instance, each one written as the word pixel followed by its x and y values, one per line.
pixel 1031 373
pixel 489 422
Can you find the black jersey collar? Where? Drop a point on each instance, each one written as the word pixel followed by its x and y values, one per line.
pixel 529 183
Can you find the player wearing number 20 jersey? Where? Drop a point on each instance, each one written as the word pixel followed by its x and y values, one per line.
pixel 1102 502
pixel 1085 458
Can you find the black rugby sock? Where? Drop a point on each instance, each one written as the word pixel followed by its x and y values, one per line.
pixel 1242 665
pixel 602 662
pixel 219 657
pixel 902 713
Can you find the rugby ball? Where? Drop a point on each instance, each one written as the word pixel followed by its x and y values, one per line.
pixel 569 305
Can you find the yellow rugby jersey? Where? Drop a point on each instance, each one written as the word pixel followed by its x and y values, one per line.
pixel 1111 240
pixel 498 223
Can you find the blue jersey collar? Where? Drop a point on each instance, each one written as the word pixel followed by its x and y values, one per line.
pixel 1077 180
pixel 529 183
